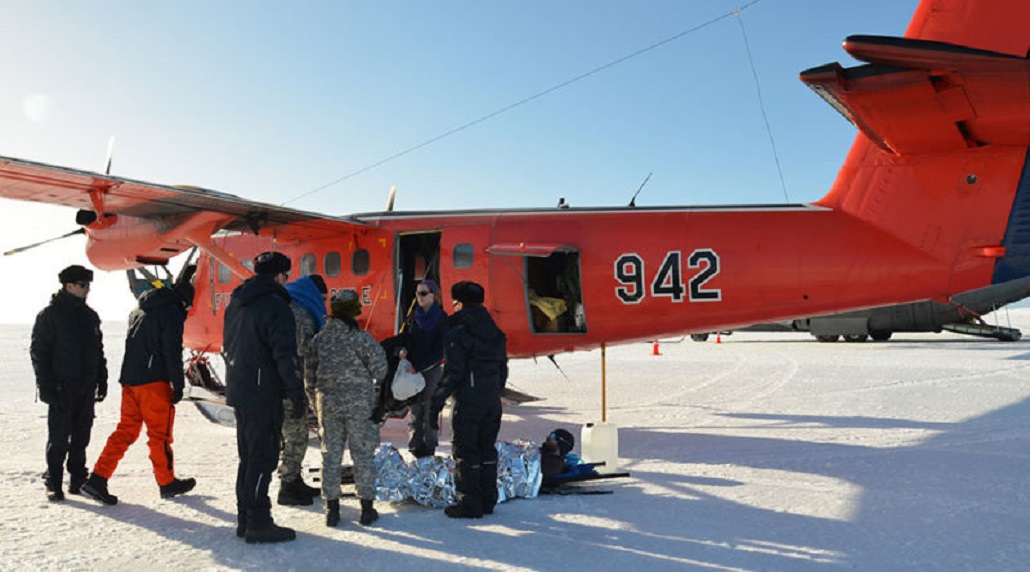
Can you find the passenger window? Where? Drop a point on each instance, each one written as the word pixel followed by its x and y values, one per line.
pixel 463 256
pixel 224 276
pixel 360 262
pixel 308 265
pixel 332 264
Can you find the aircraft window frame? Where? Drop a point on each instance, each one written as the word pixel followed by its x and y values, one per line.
pixel 224 274
pixel 248 264
pixel 308 264
pixel 361 262
pixel 463 256
pixel 332 263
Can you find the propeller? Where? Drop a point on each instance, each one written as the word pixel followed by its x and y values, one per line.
pixel 29 246
pixel 82 217
pixel 110 155
pixel 389 202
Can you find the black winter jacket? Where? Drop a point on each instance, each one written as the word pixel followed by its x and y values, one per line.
pixel 67 346
pixel 425 348
pixel 475 360
pixel 260 344
pixel 153 343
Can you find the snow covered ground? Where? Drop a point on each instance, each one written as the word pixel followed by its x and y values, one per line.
pixel 765 452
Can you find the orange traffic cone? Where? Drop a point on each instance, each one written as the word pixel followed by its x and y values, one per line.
pixel 718 338
pixel 654 350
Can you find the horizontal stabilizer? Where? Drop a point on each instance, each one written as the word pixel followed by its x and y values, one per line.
pixel 918 96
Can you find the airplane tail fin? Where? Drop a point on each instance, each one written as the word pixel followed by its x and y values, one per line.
pixel 941 160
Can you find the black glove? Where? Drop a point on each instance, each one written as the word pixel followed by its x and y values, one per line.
pixel 300 406
pixel 176 394
pixel 48 393
pixel 101 391
pixel 439 400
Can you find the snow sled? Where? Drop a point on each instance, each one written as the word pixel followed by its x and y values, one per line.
pixel 570 483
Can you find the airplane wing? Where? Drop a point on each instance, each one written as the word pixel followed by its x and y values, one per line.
pixel 119 212
pixel 919 96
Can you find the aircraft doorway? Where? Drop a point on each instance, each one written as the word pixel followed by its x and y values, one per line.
pixel 555 294
pixel 418 258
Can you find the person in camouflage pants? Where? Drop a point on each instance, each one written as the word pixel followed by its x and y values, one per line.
pixel 347 363
pixel 307 302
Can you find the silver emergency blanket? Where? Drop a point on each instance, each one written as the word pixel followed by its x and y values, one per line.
pixel 429 481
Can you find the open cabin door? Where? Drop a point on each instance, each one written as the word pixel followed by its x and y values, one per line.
pixel 418 259
pixel 552 287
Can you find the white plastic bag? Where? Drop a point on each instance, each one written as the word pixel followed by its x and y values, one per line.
pixel 405 383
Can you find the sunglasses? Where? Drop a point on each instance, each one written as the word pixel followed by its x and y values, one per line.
pixel 423 292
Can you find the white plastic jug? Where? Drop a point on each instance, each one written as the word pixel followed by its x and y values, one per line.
pixel 599 442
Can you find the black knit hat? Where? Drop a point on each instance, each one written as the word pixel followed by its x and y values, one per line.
pixel 271 263
pixel 75 273
pixel 564 439
pixel 319 283
pixel 468 293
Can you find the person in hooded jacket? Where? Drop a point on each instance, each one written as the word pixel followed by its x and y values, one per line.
pixel 260 346
pixel 67 354
pixel 152 383
pixel 347 362
pixel 308 297
pixel 423 347
pixel 475 372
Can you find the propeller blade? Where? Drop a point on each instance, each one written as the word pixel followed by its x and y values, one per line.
pixel 27 247
pixel 110 155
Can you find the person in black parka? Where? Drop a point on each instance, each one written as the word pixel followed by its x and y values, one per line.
pixel 67 354
pixel 260 346
pixel 475 372
pixel 152 383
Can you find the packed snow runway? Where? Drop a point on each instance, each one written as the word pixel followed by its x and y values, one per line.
pixel 767 451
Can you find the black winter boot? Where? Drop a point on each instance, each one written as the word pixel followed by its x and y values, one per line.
pixel 462 511
pixel 54 492
pixel 270 533
pixel 75 486
pixel 95 488
pixel 177 487
pixel 308 489
pixel 332 512
pixel 368 514
pixel 294 493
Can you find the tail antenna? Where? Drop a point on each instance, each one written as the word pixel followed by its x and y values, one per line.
pixel 633 201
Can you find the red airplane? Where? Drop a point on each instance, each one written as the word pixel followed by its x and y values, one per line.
pixel 933 200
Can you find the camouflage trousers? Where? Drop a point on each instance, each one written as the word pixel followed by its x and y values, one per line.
pixel 345 419
pixel 295 441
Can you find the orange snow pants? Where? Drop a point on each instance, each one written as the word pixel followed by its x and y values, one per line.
pixel 150 404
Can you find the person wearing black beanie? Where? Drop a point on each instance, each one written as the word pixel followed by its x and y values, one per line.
pixel 475 372
pixel 260 347
pixel 67 354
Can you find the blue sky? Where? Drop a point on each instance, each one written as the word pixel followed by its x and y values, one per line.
pixel 269 102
